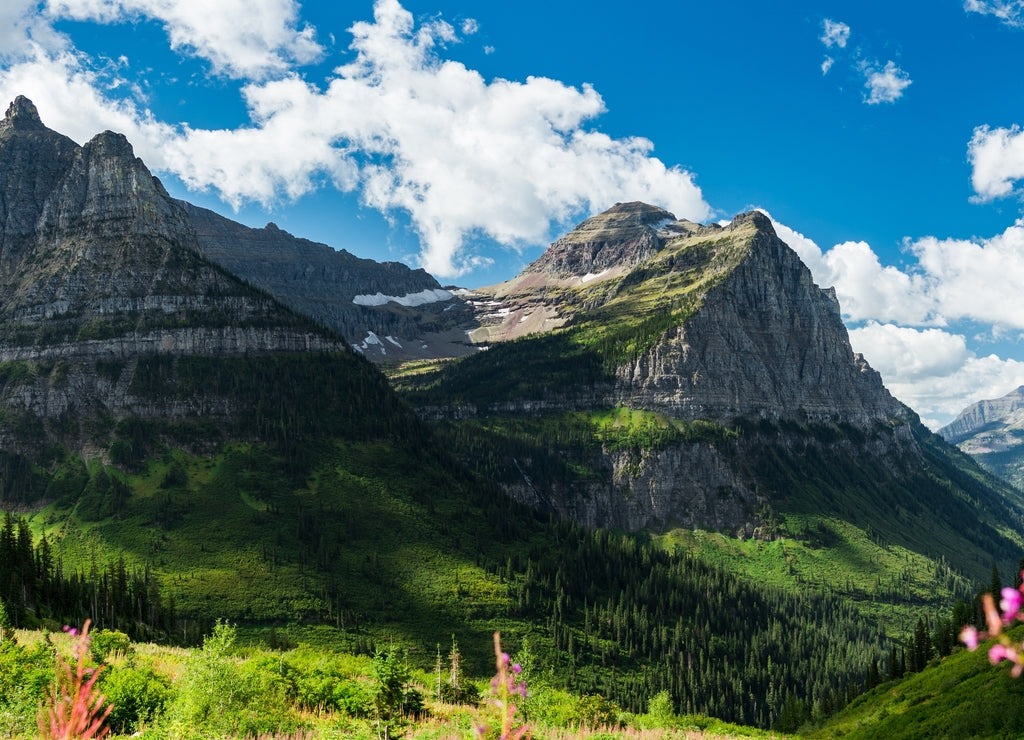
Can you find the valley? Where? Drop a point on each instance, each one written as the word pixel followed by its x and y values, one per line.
pixel 651 461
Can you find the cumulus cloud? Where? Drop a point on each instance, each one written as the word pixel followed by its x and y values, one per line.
pixel 411 132
pixel 836 34
pixel 885 85
pixel 240 38
pixel 997 160
pixel 1010 12
pixel 827 65
pixel 866 289
pixel 951 279
pixel 933 371
pixel 976 279
pixel 430 137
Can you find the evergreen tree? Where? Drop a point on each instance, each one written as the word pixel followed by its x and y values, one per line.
pixel 996 584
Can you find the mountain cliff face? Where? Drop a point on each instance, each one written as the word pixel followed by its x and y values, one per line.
pixel 767 342
pixel 99 267
pixel 385 310
pixel 704 381
pixel 992 432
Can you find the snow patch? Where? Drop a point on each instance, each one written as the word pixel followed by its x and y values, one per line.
pixel 430 295
pixel 594 275
pixel 393 341
pixel 371 340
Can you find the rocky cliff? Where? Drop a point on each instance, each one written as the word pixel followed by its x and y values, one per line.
pixel 385 310
pixel 992 432
pixel 716 344
pixel 99 267
pixel 766 342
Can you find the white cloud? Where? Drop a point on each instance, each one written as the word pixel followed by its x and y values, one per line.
pixel 410 130
pixel 979 279
pixel 240 38
pixel 1010 12
pixel 836 34
pixel 884 85
pixel 951 280
pixel 827 65
pixel 470 26
pixel 435 140
pixel 866 289
pixel 997 160
pixel 933 371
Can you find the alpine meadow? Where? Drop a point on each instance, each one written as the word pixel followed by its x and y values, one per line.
pixel 255 486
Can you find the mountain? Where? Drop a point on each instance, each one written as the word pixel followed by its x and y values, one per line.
pixel 992 432
pixel 689 376
pixel 385 310
pixel 110 315
pixel 185 447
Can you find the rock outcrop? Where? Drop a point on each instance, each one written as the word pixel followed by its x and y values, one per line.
pixel 717 337
pixel 100 266
pixel 992 432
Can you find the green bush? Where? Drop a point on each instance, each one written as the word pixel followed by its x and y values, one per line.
pixel 137 695
pixel 105 642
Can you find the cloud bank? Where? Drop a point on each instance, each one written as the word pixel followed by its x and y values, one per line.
pixel 1010 12
pixel 412 132
pixel 910 324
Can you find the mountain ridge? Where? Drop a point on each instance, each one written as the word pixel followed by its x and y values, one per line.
pixel 992 432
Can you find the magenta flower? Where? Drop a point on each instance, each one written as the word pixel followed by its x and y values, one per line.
pixel 1010 603
pixel 1000 652
pixel 969 637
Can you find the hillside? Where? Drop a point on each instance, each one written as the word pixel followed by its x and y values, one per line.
pixel 962 696
pixel 992 432
pixel 178 446
pixel 705 382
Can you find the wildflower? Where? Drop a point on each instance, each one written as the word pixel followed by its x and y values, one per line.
pixel 504 687
pixel 969 637
pixel 75 708
pixel 1010 604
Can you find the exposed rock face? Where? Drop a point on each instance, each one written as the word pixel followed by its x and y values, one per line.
pixel 99 265
pixel 384 309
pixel 624 235
pixel 600 249
pixel 767 343
pixel 992 432
pixel 721 326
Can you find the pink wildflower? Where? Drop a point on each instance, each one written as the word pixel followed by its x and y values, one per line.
pixel 969 637
pixel 1010 604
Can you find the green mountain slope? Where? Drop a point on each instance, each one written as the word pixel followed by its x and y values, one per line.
pixel 711 385
pixel 961 697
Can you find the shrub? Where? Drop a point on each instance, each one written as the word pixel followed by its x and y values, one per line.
pixel 106 642
pixel 138 697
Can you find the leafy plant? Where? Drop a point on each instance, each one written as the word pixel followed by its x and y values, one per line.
pixel 75 709
pixel 506 689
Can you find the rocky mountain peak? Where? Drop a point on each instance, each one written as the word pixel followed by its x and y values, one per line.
pixel 22 115
pixel 110 144
pixel 624 235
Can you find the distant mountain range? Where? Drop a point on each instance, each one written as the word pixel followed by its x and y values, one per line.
pixel 992 432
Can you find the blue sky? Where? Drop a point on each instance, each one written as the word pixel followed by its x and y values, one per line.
pixel 464 136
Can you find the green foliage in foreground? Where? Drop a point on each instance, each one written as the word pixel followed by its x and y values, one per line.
pixel 227 690
pixel 961 697
pixel 384 544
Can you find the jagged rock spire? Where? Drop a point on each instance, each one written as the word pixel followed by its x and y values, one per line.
pixel 22 115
